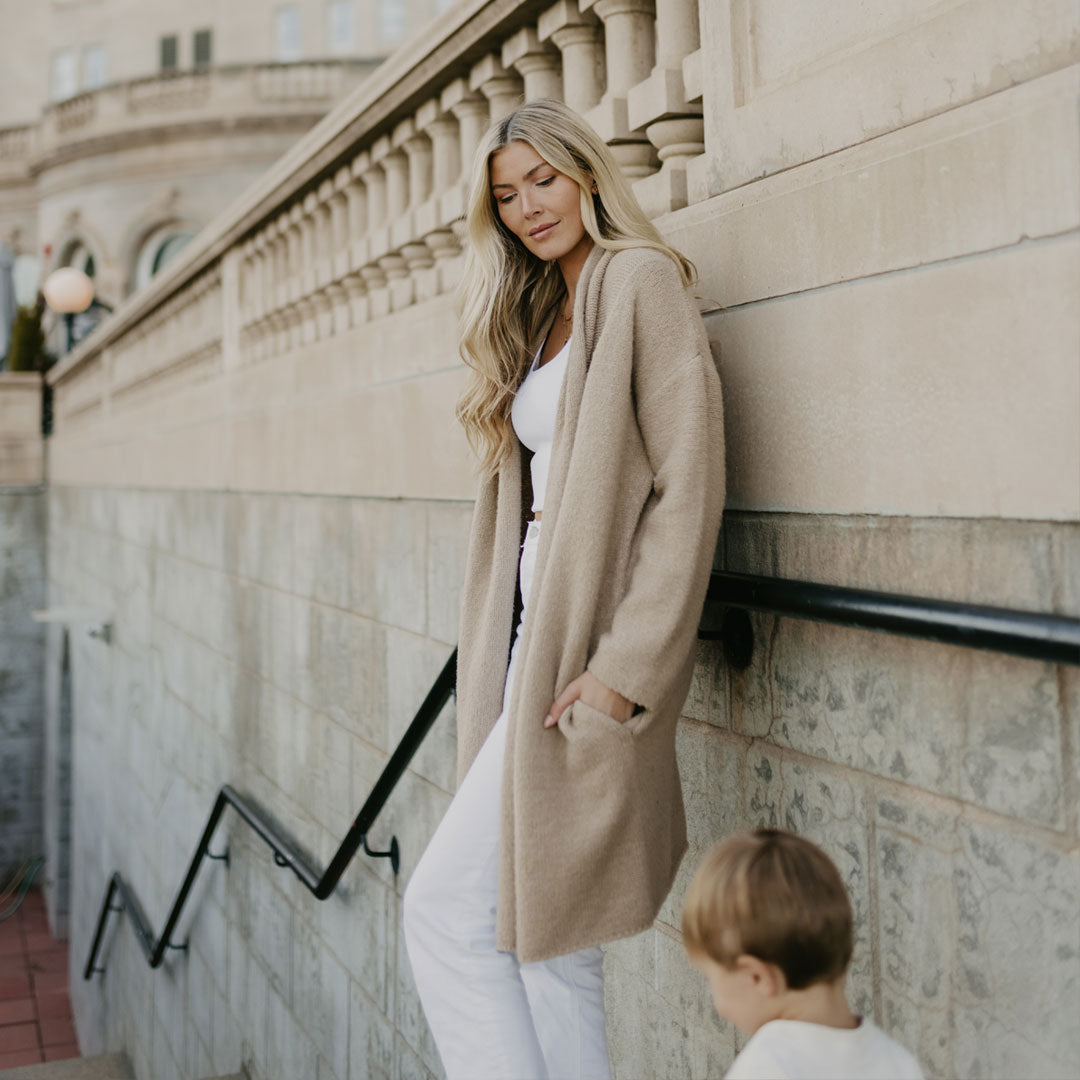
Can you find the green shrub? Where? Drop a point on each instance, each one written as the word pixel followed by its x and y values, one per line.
pixel 27 349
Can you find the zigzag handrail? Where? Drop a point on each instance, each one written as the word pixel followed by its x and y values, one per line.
pixel 286 853
pixel 1051 638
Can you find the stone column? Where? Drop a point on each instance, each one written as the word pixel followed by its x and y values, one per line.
pixel 660 105
pixel 629 48
pixel 579 38
pixel 536 61
pixel 502 88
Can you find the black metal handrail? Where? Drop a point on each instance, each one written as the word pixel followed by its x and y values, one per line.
pixel 1052 638
pixel 286 853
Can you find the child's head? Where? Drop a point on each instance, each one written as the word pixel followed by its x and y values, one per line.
pixel 766 916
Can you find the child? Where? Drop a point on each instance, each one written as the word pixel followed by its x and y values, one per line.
pixel 768 920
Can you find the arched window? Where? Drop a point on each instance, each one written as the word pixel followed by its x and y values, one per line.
pixel 158 250
pixel 79 256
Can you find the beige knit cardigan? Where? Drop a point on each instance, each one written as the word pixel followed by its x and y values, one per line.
pixel 593 826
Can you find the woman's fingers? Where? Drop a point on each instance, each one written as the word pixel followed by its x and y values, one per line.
pixel 569 695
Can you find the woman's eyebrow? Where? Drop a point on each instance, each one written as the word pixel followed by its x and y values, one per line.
pixel 538 165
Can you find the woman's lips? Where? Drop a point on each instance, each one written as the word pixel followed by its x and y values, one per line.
pixel 541 233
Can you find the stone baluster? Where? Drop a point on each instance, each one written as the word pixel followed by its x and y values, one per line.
pixel 661 107
pixel 395 166
pixel 537 62
pixel 629 49
pixel 295 312
pixel 308 230
pixel 253 334
pixel 417 255
pixel 325 241
pixel 443 130
pixel 279 269
pixel 340 236
pixel 324 259
pixel 470 109
pixel 356 194
pixel 378 231
pixel 579 37
pixel 502 88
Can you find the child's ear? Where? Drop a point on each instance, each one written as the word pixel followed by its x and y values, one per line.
pixel 766 979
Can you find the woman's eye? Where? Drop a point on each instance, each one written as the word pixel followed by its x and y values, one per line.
pixel 505 199
pixel 549 180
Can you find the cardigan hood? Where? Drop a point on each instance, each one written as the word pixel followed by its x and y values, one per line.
pixel 592 826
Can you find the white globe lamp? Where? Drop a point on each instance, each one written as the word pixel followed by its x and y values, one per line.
pixel 68 291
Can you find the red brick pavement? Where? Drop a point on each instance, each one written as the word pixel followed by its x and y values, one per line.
pixel 35 1011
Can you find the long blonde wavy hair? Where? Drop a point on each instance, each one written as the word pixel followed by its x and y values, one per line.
pixel 506 292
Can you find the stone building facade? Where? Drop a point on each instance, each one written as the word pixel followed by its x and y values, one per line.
pixel 257 473
pixel 126 127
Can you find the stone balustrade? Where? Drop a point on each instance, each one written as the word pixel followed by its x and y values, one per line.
pixel 213 95
pixel 371 228
pixel 17 145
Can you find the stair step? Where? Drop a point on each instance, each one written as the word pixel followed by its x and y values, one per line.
pixel 106 1067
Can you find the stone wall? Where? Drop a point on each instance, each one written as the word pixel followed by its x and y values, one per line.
pixel 256 469
pixel 22 590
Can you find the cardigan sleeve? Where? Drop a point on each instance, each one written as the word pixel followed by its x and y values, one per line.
pixel 642 655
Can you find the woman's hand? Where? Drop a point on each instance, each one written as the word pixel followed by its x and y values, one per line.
pixel 595 694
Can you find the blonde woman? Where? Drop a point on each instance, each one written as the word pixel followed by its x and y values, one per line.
pixel 594 405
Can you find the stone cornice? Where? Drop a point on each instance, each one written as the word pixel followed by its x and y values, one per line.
pixel 208 127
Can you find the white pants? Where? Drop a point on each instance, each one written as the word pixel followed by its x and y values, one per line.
pixel 493 1018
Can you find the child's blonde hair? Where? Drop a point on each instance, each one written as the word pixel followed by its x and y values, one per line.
pixel 775 896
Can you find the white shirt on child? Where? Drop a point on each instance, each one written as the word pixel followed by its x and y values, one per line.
pixel 797 1050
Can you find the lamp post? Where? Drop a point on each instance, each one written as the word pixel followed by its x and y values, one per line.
pixel 68 292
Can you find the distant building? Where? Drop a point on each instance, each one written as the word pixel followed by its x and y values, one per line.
pixel 126 126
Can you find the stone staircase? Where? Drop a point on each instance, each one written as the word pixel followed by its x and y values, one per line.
pixel 106 1067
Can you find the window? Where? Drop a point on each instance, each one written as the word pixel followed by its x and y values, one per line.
pixel 158 250
pixel 339 26
pixel 287 33
pixel 170 52
pixel 93 67
pixel 391 21
pixel 202 47
pixel 65 79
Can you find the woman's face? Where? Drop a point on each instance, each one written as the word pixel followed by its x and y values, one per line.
pixel 537 203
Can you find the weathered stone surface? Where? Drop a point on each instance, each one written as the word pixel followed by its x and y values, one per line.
pixel 412 665
pixel 712 770
pixel 661 1021
pixel 982 727
pixel 371 1038
pixel 832 810
pixel 979 933
pixel 448 537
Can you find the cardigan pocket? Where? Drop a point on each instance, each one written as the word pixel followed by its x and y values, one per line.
pixel 581 722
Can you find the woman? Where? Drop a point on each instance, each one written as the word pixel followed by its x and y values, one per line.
pixel 567 827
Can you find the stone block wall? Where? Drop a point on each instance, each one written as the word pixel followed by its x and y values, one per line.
pixel 22 590
pixel 256 470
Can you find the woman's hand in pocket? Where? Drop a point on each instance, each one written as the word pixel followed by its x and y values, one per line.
pixel 594 693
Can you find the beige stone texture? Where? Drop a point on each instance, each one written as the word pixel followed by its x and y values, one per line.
pixel 788 85
pixel 22 450
pixel 916 392
pixel 981 727
pixel 257 471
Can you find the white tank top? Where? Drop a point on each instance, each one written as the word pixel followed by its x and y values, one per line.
pixel 533 415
